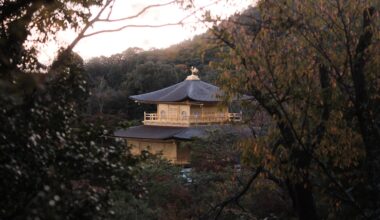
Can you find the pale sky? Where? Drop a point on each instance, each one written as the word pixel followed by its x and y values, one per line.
pixel 107 44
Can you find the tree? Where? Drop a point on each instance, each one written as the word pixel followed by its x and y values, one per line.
pixel 52 165
pixel 44 18
pixel 223 187
pixel 312 67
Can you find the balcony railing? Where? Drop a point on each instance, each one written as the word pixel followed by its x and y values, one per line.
pixel 183 121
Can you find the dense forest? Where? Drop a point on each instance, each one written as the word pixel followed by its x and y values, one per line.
pixel 312 68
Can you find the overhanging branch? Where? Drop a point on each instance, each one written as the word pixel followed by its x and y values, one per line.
pixel 109 4
pixel 142 11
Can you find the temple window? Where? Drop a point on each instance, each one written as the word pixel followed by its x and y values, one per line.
pixel 163 114
pixel 183 115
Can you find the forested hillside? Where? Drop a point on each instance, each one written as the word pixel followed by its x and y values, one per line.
pixel 135 71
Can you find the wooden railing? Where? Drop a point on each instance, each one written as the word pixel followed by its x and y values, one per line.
pixel 179 120
pixel 236 117
pixel 150 116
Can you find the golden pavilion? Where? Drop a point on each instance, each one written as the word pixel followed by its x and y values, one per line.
pixel 184 111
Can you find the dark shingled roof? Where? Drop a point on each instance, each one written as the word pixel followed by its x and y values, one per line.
pixel 193 90
pixel 149 132
pixel 183 133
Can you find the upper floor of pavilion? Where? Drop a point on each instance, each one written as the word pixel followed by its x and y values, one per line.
pixel 190 102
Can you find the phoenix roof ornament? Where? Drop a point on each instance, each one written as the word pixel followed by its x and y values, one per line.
pixel 194 74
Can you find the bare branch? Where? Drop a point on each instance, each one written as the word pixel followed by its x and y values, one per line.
pixel 109 4
pixel 180 22
pixel 142 11
pixel 87 26
pixel 133 26
pixel 111 9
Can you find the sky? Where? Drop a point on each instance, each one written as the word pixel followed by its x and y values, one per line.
pixel 106 44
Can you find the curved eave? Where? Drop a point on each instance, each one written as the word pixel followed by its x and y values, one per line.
pixel 185 101
pixel 191 101
pixel 192 90
pixel 180 133
pixel 188 90
pixel 243 98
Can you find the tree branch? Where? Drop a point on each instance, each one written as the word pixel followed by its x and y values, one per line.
pixel 87 26
pixel 142 11
pixel 133 26
pixel 237 196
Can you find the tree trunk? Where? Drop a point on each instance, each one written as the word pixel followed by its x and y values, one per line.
pixel 304 201
pixel 365 109
pixel 300 192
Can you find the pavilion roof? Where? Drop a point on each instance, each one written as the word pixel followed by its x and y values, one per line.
pixel 192 90
pixel 181 133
